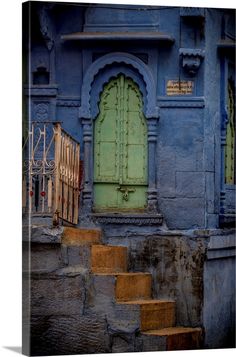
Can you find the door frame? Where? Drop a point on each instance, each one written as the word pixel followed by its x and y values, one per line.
pixel 139 184
pixel 144 79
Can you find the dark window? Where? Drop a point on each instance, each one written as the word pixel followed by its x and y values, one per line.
pixel 41 76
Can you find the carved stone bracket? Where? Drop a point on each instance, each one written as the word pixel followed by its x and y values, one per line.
pixel 46 25
pixel 191 59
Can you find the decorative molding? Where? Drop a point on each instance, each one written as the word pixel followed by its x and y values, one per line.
pixel 106 27
pixel 137 219
pixel 131 36
pixel 68 101
pixel 181 102
pixel 192 12
pixel 41 111
pixel 41 90
pixel 191 59
pixel 114 58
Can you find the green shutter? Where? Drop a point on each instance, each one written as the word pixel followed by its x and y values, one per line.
pixel 230 138
pixel 120 148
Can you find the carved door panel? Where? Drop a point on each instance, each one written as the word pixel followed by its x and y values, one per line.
pixel 120 148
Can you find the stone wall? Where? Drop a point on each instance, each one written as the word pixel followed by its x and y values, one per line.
pixel 176 261
pixel 219 291
pixel 187 160
pixel 74 311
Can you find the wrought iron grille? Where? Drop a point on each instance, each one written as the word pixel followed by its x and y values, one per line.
pixel 51 173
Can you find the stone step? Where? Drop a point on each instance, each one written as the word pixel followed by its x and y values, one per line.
pixel 76 245
pixel 108 259
pixel 133 286
pixel 155 314
pixel 172 338
pixel 119 287
pixel 81 236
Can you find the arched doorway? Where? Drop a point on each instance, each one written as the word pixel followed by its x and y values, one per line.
pixel 120 148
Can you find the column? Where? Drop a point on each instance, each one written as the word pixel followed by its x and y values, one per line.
pixel 152 189
pixel 87 138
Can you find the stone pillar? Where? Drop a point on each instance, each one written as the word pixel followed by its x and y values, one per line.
pixel 152 187
pixel 87 138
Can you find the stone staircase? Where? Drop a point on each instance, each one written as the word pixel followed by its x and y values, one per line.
pixel 124 298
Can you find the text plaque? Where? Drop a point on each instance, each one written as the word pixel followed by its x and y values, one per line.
pixel 175 87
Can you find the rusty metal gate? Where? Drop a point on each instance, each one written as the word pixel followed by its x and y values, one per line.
pixel 51 173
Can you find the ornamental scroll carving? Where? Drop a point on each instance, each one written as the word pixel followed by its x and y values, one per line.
pixel 41 111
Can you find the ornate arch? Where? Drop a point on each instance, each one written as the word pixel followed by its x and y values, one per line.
pixel 105 76
pixel 97 75
pixel 151 110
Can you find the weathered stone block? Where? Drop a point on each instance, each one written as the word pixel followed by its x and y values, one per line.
pixel 100 294
pixel 79 255
pixel 149 343
pixel 183 213
pixel 124 318
pixel 43 234
pixel 44 256
pixel 219 291
pixel 54 295
pixel 190 184
pixel 122 342
pixel 75 334
pixel 210 193
pixel 176 263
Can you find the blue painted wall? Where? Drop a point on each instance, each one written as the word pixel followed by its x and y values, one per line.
pixel 188 150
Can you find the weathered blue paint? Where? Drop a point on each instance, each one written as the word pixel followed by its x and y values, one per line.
pixel 186 133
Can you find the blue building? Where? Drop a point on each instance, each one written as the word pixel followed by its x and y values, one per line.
pixel 149 93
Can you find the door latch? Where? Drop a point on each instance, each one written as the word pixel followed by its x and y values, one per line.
pixel 125 192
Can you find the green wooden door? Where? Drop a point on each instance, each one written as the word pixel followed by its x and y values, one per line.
pixel 120 148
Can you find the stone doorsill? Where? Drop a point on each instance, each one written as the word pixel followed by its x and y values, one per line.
pixel 140 219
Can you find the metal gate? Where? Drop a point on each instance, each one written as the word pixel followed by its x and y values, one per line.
pixel 51 173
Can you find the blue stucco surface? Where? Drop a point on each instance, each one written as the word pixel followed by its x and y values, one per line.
pixel 177 239
pixel 187 154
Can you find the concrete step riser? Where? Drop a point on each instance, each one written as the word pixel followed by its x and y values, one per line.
pixel 80 236
pixel 157 316
pixel 133 287
pixel 187 341
pixel 173 340
pixel 108 259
